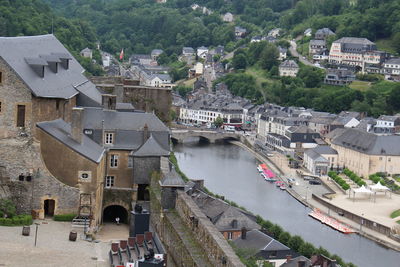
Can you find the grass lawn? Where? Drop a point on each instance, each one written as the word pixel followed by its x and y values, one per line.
pixel 386 45
pixel 360 85
pixel 258 74
pixel 395 214
pixel 188 83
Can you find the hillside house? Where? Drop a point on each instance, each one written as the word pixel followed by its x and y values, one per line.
pixel 288 68
pixel 339 77
pixel 228 17
pixel 87 52
pixel 323 33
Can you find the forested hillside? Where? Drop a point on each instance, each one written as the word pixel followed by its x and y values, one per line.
pixel 33 17
pixel 141 25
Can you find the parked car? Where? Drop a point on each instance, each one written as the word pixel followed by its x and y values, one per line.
pixel 314 182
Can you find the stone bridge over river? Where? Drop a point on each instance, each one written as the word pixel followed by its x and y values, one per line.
pixel 178 136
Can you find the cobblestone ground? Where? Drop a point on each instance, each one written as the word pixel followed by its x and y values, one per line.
pixel 53 247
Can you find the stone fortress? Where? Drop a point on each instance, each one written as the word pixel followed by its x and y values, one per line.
pixel 65 146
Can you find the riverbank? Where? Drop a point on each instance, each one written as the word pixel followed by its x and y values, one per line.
pixel 310 202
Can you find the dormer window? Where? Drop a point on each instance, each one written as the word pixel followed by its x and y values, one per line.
pixel 109 138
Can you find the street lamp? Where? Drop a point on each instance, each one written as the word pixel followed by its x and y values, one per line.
pixel 362 221
pixel 37 225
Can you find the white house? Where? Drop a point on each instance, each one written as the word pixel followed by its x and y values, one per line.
pixel 87 52
pixel 288 68
pixel 227 17
pixel 320 159
pixel 202 52
pixel 391 69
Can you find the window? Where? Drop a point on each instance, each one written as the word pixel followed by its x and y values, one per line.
pixel 230 235
pixel 1 77
pixel 109 138
pixel 20 115
pixel 130 162
pixel 0 106
pixel 380 158
pixel 389 159
pixel 114 161
pixel 109 181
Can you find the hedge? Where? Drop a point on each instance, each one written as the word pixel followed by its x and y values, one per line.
pixel 295 242
pixel 354 177
pixel 16 220
pixel 64 217
pixel 339 180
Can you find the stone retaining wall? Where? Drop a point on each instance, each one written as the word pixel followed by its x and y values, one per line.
pixel 217 248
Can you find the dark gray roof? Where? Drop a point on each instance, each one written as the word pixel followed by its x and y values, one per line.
pixel 325 150
pixel 318 42
pixel 114 120
pixel 354 40
pixel 295 262
pixel 325 31
pixel 172 179
pixel 225 220
pixel 369 143
pixel 61 131
pixel 288 64
pixel 315 155
pixel 257 240
pixel 15 50
pixel 395 61
pixel 388 118
pixel 124 107
pixel 151 149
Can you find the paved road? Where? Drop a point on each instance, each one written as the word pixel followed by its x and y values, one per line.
pixel 293 51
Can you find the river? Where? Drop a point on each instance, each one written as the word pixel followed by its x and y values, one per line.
pixel 230 170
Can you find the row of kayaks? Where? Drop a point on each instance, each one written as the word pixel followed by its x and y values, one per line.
pixel 335 224
pixel 270 176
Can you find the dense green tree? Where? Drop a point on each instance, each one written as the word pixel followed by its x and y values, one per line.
pixel 276 230
pixel 218 122
pixel 239 61
pixel 307 249
pixel 295 242
pixel 269 57
pixel 284 237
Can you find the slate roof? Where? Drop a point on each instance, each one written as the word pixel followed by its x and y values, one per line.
pixel 326 150
pixel 326 31
pixel 61 131
pixel 317 42
pixel 156 52
pixel 188 50
pixel 257 240
pixel 394 61
pixel 368 143
pixel 295 262
pixel 289 64
pixel 388 118
pixel 222 214
pixel 127 126
pixel 151 149
pixel 315 155
pixel 354 40
pixel 124 107
pixel 62 84
pixel 172 179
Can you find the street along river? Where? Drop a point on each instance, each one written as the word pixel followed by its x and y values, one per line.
pixel 231 171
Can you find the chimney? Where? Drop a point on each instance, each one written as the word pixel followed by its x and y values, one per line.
pixel 108 101
pixel 146 134
pixel 288 258
pixel 244 232
pixel 77 124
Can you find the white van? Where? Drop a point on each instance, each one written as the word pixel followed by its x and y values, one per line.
pixel 229 128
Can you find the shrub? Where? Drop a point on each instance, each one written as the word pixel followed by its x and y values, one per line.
pixel 16 220
pixel 64 217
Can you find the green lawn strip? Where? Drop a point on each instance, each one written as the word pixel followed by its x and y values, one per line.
pixel 395 214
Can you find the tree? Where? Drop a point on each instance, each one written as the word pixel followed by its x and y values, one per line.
pixel 239 61
pixel 218 122
pixel 269 57
pixel 394 98
pixel 284 238
pixel 295 242
pixel 396 41
pixel 276 230
pixel 306 249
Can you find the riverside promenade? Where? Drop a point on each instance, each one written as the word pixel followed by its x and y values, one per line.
pixel 378 211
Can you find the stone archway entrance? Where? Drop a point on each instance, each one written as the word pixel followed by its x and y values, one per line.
pixel 113 211
pixel 49 206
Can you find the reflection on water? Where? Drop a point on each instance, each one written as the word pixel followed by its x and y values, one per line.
pixel 231 171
